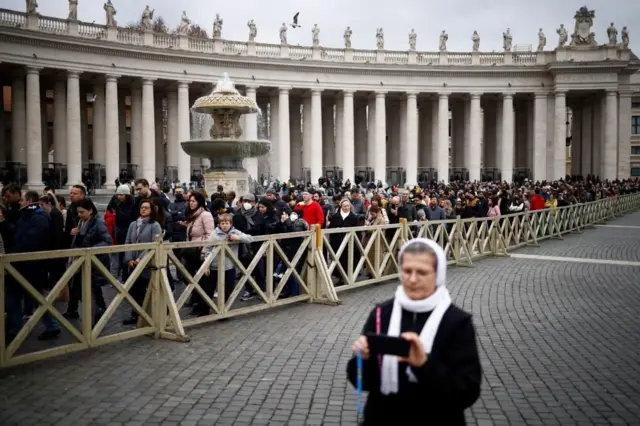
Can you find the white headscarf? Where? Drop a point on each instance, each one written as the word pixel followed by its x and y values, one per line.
pixel 437 304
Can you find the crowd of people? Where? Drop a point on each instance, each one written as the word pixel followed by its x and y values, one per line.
pixel 141 212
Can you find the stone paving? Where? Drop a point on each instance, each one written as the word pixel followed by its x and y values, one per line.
pixel 558 343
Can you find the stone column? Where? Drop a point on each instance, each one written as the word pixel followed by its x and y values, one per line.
pixel 551 131
pixel 122 127
pixel 624 135
pixel 158 113
pixel 184 132
pixel 316 131
pixel 435 132
pixel 173 146
pixel 307 135
pixel 99 126
pixel 587 141
pixel 610 151
pixel 111 132
pixel 424 134
pixel 19 120
pixel 84 128
pixel 347 137
pixel 498 151
pixel 475 137
pixel 466 155
pixel 328 134
pixel 442 163
pixel 411 151
pixel 74 134
pixel 251 133
pixel 60 121
pixel 136 128
pixel 4 145
pixel 284 148
pixel 399 148
pixel 596 136
pixel 295 123
pixel 507 150
pixel 148 170
pixel 380 157
pixel 44 117
pixel 339 130
pixel 540 137
pixel 360 135
pixel 274 134
pixel 457 134
pixel 371 130
pixel 489 135
pixel 34 129
pixel 560 135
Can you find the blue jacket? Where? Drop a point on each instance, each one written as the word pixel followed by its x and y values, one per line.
pixel 32 231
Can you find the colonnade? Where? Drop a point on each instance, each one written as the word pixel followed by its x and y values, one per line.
pixel 313 130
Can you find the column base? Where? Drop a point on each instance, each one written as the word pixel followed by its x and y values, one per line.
pixel 34 186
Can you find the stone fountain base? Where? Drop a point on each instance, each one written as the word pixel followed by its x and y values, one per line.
pixel 236 181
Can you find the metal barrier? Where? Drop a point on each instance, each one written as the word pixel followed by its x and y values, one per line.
pixel 304 264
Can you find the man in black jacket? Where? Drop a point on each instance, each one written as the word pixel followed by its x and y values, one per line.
pixel 77 193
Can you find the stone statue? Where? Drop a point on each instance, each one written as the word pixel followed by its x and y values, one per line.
pixel 625 37
pixel 380 38
pixel 217 26
pixel 315 35
pixel 542 40
pixel 183 29
pixel 347 38
pixel 283 33
pixel 111 14
pixel 412 39
pixel 32 7
pixel 563 35
pixel 73 10
pixel 147 19
pixel 476 41
pixel 507 39
pixel 612 34
pixel 253 30
pixel 582 34
pixel 443 41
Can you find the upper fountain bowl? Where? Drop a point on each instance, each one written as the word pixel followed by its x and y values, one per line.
pixel 225 96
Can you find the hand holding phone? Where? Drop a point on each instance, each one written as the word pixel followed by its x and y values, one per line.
pixel 380 344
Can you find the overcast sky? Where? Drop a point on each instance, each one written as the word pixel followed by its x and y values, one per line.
pixel 458 17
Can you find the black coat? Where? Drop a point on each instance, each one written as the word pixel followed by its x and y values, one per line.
pixel 338 222
pixel 448 383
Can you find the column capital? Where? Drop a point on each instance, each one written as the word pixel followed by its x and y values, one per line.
pixel 443 95
pixel 284 90
pixel 611 91
pixel 476 95
pixel 316 91
pixel 33 70
pixel 148 81
pixel 348 92
pixel 183 84
pixel 73 74
pixel 111 78
pixel 411 94
pixel 253 87
pixel 380 93
pixel 507 96
pixel 559 92
pixel 625 93
pixel 540 95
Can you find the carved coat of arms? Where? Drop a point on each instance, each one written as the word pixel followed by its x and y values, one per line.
pixel 582 35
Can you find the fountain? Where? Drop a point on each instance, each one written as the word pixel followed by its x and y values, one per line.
pixel 224 149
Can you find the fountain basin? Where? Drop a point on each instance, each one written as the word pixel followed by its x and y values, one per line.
pixel 209 148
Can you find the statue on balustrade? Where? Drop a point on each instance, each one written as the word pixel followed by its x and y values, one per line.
pixel 73 10
pixel 217 26
pixel 412 39
pixel 612 35
pixel 380 38
pixel 582 34
pixel 283 34
pixel 32 7
pixel 542 40
pixel 443 41
pixel 111 14
pixel 347 38
pixel 563 35
pixel 315 35
pixel 183 29
pixel 253 30
pixel 625 37
pixel 147 19
pixel 507 40
pixel 476 41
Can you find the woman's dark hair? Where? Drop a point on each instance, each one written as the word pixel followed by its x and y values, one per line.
pixel 374 209
pixel 112 205
pixel 267 203
pixel 201 203
pixel 218 204
pixel 153 211
pixel 87 204
pixel 47 199
pixel 61 201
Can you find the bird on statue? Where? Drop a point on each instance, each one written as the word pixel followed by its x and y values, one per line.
pixel 295 21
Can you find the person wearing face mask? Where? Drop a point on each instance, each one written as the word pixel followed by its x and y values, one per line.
pixel 249 220
pixel 289 222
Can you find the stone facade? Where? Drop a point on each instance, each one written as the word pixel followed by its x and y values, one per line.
pixel 512 121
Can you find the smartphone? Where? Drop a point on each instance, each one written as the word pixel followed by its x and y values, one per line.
pixel 386 345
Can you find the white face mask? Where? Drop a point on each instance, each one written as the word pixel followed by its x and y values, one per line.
pixel 246 206
pixel 293 217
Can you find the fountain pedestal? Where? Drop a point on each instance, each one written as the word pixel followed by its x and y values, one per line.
pixel 236 181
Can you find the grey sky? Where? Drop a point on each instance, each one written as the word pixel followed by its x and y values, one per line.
pixel 458 17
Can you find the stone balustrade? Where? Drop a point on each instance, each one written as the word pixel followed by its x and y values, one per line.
pixel 84 30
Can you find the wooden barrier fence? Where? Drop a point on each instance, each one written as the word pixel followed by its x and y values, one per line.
pixel 312 266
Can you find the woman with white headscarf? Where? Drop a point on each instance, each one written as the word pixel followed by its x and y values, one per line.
pixel 441 375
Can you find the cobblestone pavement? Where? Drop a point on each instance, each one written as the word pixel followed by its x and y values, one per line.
pixel 559 345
